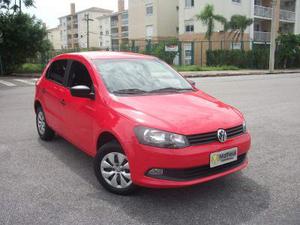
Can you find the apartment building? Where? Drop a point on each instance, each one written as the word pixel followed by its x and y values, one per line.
pixel 74 27
pixel 54 37
pixel 153 19
pixel 105 32
pixel 114 29
pixel 191 29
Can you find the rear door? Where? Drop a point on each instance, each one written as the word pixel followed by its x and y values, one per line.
pixel 79 112
pixel 53 94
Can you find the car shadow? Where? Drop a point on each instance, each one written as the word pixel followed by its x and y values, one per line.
pixel 233 199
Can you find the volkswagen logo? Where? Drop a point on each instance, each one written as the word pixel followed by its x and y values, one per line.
pixel 222 135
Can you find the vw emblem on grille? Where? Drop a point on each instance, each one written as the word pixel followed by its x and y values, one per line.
pixel 222 135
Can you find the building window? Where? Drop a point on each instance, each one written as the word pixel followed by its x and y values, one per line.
pixel 189 3
pixel 236 1
pixel 149 10
pixel 189 26
pixel 149 32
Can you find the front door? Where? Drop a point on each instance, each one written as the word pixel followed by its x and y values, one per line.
pixel 79 113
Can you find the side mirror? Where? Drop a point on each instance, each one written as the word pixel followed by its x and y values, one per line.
pixel 82 91
pixel 193 83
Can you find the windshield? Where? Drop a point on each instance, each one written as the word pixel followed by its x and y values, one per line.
pixel 140 76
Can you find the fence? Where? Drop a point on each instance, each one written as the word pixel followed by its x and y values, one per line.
pixel 183 52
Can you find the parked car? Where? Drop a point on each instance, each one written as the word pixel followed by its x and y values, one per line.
pixel 144 124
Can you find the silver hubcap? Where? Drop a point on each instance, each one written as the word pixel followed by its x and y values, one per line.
pixel 115 170
pixel 41 123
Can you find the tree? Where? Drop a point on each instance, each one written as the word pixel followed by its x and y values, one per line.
pixel 23 37
pixel 240 23
pixel 208 18
pixel 288 50
pixel 8 5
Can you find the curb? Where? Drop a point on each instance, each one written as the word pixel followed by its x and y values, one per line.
pixel 224 74
pixel 193 74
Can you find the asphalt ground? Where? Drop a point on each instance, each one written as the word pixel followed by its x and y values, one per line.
pixel 53 183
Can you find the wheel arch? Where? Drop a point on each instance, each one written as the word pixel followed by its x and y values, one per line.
pixel 106 137
pixel 37 104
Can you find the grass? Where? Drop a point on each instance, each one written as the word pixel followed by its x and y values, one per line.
pixel 30 68
pixel 187 68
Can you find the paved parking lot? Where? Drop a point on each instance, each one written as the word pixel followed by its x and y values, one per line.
pixel 53 183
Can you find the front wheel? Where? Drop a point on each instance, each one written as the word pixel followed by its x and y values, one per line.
pixel 112 169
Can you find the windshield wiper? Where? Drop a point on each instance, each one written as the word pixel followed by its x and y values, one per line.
pixel 171 89
pixel 132 91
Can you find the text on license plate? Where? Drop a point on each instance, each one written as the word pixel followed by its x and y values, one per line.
pixel 223 157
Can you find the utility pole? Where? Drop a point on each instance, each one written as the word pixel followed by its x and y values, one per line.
pixel 274 33
pixel 20 5
pixel 87 19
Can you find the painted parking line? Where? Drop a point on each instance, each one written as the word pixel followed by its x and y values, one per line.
pixel 6 83
pixel 30 82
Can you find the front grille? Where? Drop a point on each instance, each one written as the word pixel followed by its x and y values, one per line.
pixel 198 139
pixel 199 172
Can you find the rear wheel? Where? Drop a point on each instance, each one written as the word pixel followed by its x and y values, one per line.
pixel 112 169
pixel 44 131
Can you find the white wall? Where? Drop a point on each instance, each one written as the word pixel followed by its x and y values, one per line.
pixel 54 37
pixel 93 27
pixel 106 27
pixel 226 8
pixel 164 19
pixel 63 32
pixel 297 24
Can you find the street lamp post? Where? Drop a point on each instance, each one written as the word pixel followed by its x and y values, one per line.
pixel 274 32
pixel 87 19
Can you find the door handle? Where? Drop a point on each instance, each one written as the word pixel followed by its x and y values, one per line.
pixel 63 102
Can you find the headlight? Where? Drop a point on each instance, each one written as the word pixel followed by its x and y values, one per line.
pixel 244 127
pixel 158 138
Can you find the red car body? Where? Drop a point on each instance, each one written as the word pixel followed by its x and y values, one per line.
pixel 88 122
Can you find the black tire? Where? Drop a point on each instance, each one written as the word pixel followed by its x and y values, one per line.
pixel 46 134
pixel 111 147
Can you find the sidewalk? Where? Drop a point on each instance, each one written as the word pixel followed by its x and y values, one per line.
pixel 194 74
pixel 234 73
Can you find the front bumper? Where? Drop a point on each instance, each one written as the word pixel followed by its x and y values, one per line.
pixel 144 158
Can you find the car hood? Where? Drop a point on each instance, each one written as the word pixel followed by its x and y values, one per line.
pixel 183 113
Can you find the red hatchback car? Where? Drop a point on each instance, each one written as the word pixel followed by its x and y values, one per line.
pixel 144 124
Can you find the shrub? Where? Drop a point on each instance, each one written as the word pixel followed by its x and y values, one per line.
pixel 30 68
pixel 158 50
pixel 287 55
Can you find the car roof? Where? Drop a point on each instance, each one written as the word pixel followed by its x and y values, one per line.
pixel 108 55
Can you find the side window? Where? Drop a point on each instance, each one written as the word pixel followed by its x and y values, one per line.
pixel 79 75
pixel 57 71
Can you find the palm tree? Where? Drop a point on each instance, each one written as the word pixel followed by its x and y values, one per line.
pixel 226 27
pixel 240 23
pixel 6 4
pixel 208 18
pixel 27 3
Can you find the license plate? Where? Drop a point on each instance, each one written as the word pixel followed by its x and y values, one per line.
pixel 223 157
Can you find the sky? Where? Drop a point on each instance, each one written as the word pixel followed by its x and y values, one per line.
pixel 50 10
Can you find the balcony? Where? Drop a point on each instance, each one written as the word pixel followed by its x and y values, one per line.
pixel 125 22
pixel 125 34
pixel 114 24
pixel 266 12
pixel 114 35
pixel 260 36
